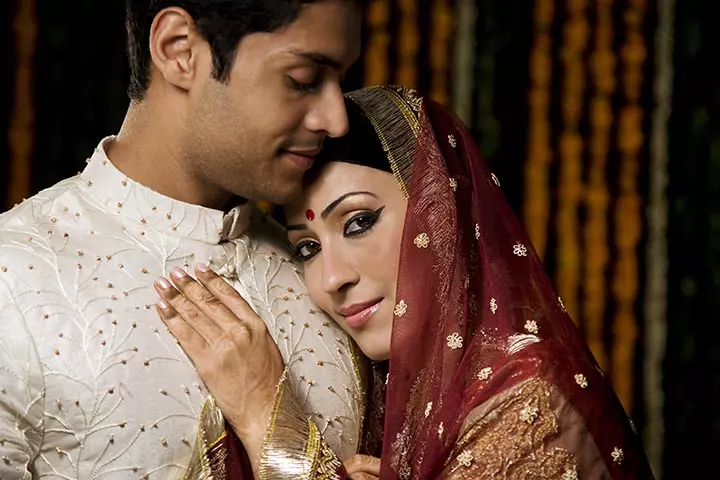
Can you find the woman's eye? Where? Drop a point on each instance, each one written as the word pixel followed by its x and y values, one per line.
pixel 304 251
pixel 361 222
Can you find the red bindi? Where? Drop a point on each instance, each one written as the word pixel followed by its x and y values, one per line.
pixel 309 214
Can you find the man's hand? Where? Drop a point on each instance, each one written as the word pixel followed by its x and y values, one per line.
pixel 230 347
pixel 362 467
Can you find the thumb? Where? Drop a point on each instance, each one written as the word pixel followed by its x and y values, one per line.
pixel 363 464
pixel 363 476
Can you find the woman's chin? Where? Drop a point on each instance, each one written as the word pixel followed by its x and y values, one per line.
pixel 375 354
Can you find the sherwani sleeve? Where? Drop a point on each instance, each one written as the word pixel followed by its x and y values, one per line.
pixel 294 447
pixel 21 391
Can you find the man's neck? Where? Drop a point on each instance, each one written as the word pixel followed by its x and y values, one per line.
pixel 147 150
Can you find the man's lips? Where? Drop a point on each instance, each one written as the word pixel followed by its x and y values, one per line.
pixel 302 158
pixel 305 153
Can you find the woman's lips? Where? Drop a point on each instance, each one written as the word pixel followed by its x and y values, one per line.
pixel 358 315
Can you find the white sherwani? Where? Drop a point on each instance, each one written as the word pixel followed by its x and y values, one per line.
pixel 91 383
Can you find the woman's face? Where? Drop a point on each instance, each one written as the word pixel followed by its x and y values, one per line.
pixel 346 230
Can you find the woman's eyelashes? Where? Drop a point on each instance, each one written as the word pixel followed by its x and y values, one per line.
pixel 306 249
pixel 361 222
pixel 358 224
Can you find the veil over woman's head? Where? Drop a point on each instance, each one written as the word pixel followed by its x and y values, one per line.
pixel 476 314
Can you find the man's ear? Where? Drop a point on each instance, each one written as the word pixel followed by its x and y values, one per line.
pixel 176 46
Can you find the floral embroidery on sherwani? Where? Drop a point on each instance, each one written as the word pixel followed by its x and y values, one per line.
pixel 92 384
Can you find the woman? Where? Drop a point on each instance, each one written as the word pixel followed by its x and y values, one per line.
pixel 408 243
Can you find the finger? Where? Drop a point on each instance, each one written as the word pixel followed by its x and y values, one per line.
pixel 209 303
pixel 363 476
pixel 196 292
pixel 189 312
pixel 189 339
pixel 229 297
pixel 363 463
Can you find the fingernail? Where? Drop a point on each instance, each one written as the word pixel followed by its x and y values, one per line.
pixel 163 304
pixel 163 283
pixel 178 273
pixel 202 268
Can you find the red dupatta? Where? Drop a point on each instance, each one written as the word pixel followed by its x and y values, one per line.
pixel 476 313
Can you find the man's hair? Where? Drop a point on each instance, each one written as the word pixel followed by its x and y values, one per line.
pixel 222 23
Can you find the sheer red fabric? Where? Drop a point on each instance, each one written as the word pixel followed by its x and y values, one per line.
pixel 477 315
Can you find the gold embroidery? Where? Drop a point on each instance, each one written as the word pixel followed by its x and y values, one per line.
pixel 452 141
pixel 454 341
pixel 477 232
pixel 581 380
pixel 428 409
pixel 493 306
pixel 512 439
pixel 570 474
pixel 465 458
pixel 395 114
pixel 422 240
pixel 293 447
pixel 453 184
pixel 401 308
pixel 531 327
pixel 408 95
pixel 529 414
pixel 328 464
pixel 617 455
pixel 485 373
pixel 495 179
pixel 520 250
pixel 208 461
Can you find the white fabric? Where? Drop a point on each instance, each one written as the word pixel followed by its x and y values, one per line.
pixel 91 383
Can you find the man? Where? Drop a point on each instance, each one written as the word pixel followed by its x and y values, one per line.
pixel 228 100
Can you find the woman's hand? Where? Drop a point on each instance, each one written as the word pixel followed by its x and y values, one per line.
pixel 230 347
pixel 362 467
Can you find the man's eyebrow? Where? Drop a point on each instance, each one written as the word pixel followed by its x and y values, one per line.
pixel 318 58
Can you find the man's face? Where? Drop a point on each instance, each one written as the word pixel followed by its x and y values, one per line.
pixel 257 135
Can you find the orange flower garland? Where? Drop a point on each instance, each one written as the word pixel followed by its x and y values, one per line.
pixel 21 127
pixel 628 213
pixel 536 208
pixel 408 43
pixel 377 70
pixel 597 197
pixel 441 50
pixel 576 33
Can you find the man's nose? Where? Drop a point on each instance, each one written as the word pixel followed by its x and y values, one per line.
pixel 329 114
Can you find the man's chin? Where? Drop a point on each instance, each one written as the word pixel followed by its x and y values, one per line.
pixel 287 193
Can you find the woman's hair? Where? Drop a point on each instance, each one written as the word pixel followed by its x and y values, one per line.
pixel 360 146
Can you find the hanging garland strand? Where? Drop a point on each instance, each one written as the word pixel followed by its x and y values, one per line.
pixel 657 215
pixel 441 50
pixel 536 209
pixel 376 62
pixel 23 116
pixel 463 59
pixel 628 213
pixel 408 43
pixel 597 197
pixel 571 155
